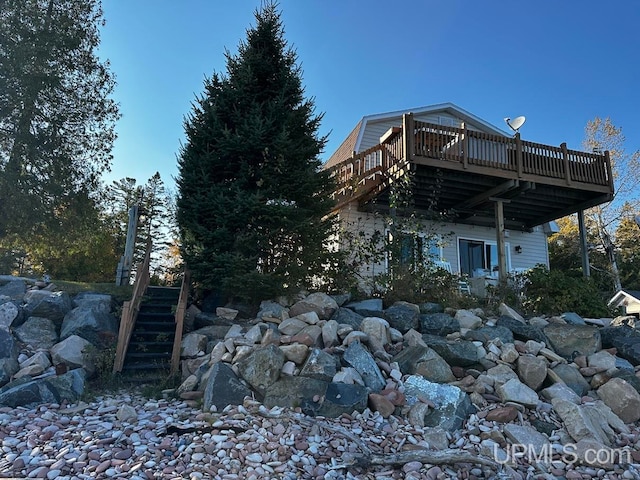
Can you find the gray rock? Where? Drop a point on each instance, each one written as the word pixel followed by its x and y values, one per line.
pixel 602 360
pixel 321 303
pixel 296 392
pixel 74 352
pixel 622 398
pixel 459 353
pixel 630 377
pixel 561 392
pixel 452 405
pixel 440 324
pixel 507 311
pixel 348 317
pixel 532 370
pixel 34 365
pixel 571 341
pixel 15 289
pixel 522 331
pixel 295 352
pixel 37 332
pixel 291 326
pixel 358 357
pixel 424 361
pixel 8 368
pixel 573 318
pixel 320 365
pixel 51 305
pixel 8 345
pixel 486 334
pixel 499 375
pixel 192 345
pixel 366 306
pixel 55 389
pixel 95 301
pixel 524 435
pixel 403 316
pixel 572 377
pixel 9 312
pixel 261 368
pixel 516 391
pixel 271 310
pixel 330 334
pixel 468 319
pixel 97 327
pixel 343 398
pixel 223 388
pixel 626 341
pixel 430 307
pixel 579 422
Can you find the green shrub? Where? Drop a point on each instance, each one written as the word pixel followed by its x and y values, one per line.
pixel 557 291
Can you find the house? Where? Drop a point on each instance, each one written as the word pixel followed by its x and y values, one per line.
pixel 628 300
pixel 488 198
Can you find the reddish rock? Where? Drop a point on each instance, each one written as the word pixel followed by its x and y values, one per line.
pixel 380 403
pixel 502 414
pixel 394 396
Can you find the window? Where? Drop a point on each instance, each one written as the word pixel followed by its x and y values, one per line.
pixel 417 249
pixel 479 255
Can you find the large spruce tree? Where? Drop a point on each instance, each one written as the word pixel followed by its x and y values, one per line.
pixel 253 201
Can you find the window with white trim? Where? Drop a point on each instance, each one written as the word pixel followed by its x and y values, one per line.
pixel 478 256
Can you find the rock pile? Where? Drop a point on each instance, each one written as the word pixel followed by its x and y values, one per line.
pixel 552 385
pixel 48 342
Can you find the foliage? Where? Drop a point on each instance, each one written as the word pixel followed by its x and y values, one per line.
pixel 253 203
pixel 628 243
pixel 56 115
pixel 556 291
pixel 602 135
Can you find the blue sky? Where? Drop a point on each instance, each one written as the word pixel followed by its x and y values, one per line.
pixel 560 63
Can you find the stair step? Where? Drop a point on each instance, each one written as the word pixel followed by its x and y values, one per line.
pixel 148 355
pixel 146 366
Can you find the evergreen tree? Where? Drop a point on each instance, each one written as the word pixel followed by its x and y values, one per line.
pixel 56 115
pixel 253 202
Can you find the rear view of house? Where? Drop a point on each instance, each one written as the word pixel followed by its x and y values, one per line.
pixel 487 199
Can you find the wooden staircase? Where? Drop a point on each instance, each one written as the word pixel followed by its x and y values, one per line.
pixel 153 335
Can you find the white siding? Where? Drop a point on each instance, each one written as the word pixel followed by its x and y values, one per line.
pixel 533 245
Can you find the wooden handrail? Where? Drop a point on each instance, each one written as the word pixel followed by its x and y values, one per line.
pixel 130 310
pixel 180 314
pixel 471 149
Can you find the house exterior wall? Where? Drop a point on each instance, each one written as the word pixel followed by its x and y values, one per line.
pixel 533 245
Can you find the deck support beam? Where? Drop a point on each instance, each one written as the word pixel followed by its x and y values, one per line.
pixel 584 248
pixel 502 255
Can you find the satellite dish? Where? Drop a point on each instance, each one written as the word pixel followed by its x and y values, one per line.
pixel 516 123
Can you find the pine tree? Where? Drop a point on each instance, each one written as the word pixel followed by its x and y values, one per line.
pixel 253 202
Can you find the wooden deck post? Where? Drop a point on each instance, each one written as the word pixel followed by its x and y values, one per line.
pixel 518 154
pixel 607 161
pixel 408 136
pixel 565 159
pixel 502 255
pixel 465 147
pixel 584 249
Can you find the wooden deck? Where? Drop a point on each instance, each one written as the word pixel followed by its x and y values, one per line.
pixel 458 171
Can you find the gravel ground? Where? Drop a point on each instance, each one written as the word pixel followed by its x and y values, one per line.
pixel 173 439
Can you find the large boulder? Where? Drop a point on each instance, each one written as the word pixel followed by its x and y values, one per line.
pixel 37 332
pixel 622 398
pixel 452 405
pixel 51 305
pixel 459 353
pixel 440 324
pixel 74 352
pixel 223 388
pixel 68 387
pixel 403 316
pixel 343 398
pixel 522 331
pixel 14 289
pixel 358 357
pixel 321 303
pixel 9 313
pixel 261 368
pixel 95 301
pixel 348 317
pixel 95 326
pixel 295 392
pixel 424 361
pixel 571 341
pixel 572 378
pixel 320 365
pixel 532 370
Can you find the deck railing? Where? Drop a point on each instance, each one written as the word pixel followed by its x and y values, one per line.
pixel 478 151
pixel 180 314
pixel 130 310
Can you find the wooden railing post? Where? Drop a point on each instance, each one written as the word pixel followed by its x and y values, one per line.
pixel 565 159
pixel 607 161
pixel 465 147
pixel 181 310
pixel 518 154
pixel 408 135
